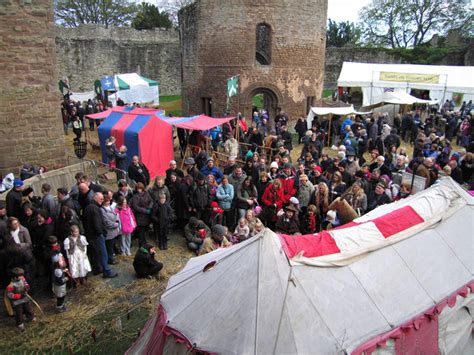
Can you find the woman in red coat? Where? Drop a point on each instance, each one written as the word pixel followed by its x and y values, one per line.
pixel 272 199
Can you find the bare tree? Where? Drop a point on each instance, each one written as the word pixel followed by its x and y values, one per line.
pixel 172 7
pixel 408 23
pixel 73 13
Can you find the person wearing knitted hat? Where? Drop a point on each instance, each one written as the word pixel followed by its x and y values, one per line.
pixel 216 213
pixel 17 294
pixel 316 176
pixel 215 241
pixel 331 221
pixel 377 197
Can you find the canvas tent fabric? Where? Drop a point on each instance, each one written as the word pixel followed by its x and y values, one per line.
pixel 143 133
pixel 199 122
pixel 132 87
pixel 447 80
pixel 339 111
pixel 252 300
pixel 384 226
pixel 398 98
pixel 148 133
pixel 402 98
pixel 82 96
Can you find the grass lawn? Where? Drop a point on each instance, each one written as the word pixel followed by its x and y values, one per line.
pixel 257 101
pixel 172 105
pixel 170 98
pixel 327 93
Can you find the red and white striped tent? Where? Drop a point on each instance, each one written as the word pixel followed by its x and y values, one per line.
pixel 398 280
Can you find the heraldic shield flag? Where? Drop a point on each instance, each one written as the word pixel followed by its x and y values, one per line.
pixel 232 86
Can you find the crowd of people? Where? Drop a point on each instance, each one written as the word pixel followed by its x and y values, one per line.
pixel 213 204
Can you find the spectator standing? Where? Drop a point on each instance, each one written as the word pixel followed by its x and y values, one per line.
pixel 128 224
pixel 13 200
pixel 95 235
pixel 112 227
pixel 142 207
pixel 138 172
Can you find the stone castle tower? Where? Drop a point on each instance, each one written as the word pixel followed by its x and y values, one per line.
pixel 277 48
pixel 30 123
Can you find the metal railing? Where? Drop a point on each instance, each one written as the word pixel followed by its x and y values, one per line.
pixel 102 173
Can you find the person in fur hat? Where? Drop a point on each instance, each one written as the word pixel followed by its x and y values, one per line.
pixel 287 222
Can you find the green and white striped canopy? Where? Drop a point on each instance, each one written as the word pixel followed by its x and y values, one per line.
pixel 126 81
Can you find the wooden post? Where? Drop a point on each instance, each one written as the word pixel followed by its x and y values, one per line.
pixel 329 129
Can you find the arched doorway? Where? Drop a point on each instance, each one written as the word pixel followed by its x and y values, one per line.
pixel 260 96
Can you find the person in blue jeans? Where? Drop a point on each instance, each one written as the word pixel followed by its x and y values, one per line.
pixel 95 235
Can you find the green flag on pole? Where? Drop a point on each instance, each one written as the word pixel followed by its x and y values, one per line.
pixel 232 86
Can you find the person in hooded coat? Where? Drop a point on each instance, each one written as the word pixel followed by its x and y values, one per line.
pixel 144 263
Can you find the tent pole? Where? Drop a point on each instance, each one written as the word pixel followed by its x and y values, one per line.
pixel 186 150
pixel 85 131
pixel 329 129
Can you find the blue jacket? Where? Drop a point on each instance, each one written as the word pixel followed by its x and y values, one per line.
pixel 347 122
pixel 225 195
pixel 205 170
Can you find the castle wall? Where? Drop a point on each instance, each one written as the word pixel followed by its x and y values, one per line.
pixel 30 123
pixel 88 53
pixel 220 41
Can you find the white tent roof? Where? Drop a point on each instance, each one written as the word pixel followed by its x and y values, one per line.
pixel 399 98
pixel 132 87
pixel 254 302
pixel 403 98
pixel 83 96
pixel 452 78
pixel 323 111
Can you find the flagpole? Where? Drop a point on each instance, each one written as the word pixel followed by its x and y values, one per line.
pixel 231 79
pixel 238 106
pixel 238 97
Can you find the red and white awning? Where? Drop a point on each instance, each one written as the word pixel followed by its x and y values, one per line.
pixel 384 226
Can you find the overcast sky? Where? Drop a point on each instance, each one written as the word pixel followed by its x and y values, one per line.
pixel 339 10
pixel 345 10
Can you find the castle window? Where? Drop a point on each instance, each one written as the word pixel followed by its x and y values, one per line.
pixel 206 105
pixel 263 48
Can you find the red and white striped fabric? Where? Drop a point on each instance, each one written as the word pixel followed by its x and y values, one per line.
pixel 385 225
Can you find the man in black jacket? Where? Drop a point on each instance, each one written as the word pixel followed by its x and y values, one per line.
pixel 138 172
pixel 144 263
pixel 95 234
pixel 286 137
pixel 200 198
pixel 13 200
pixel 378 197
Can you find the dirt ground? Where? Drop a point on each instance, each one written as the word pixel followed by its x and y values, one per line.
pixel 105 315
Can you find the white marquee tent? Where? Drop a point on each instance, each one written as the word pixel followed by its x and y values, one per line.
pixel 399 98
pixel 414 295
pixel 330 111
pixel 375 79
pixel 132 87
pixel 83 96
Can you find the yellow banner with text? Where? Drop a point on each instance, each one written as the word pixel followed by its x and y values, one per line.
pixel 409 77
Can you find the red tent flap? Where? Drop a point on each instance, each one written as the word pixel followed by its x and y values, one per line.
pixel 311 245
